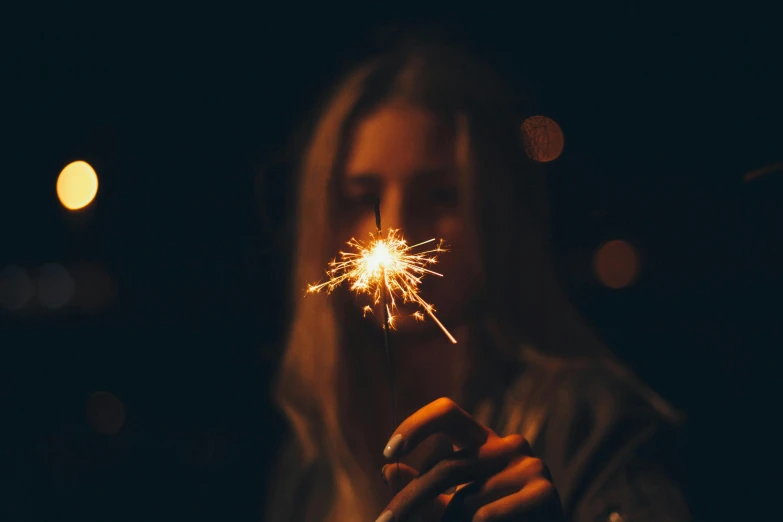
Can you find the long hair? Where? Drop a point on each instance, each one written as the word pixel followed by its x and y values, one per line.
pixel 506 208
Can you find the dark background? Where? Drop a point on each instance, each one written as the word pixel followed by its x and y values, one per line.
pixel 185 116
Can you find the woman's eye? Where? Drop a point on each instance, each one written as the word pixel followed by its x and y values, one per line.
pixel 359 201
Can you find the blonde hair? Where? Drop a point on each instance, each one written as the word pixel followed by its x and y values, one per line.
pixel 507 209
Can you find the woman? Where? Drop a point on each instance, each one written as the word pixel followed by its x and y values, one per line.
pixel 527 409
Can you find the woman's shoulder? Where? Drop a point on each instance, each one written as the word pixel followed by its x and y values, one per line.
pixel 589 416
pixel 596 383
pixel 554 394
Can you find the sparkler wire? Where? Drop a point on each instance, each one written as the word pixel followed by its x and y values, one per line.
pixel 386 345
pixel 380 268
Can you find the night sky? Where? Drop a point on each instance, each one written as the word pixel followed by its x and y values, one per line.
pixel 188 119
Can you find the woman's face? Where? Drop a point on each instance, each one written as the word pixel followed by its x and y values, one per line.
pixel 406 157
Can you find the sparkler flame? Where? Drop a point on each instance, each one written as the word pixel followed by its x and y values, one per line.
pixel 385 265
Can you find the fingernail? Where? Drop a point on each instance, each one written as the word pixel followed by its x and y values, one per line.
pixel 386 516
pixel 393 446
pixel 383 472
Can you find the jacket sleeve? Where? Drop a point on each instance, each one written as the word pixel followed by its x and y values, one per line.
pixel 612 451
pixel 637 490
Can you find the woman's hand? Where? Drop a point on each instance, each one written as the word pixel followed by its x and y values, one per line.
pixel 497 479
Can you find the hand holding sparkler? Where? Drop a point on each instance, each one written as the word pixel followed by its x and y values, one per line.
pixel 381 268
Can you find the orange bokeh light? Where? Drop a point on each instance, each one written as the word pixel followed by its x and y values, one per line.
pixel 105 412
pixel 543 138
pixel 616 264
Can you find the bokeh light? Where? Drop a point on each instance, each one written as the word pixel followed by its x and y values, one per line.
pixel 77 185
pixel 55 286
pixel 543 138
pixel 105 413
pixel 763 171
pixel 16 288
pixel 96 288
pixel 616 264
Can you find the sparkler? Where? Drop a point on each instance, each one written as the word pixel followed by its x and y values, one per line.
pixel 383 268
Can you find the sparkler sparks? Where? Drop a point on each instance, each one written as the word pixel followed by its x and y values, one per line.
pixel 386 267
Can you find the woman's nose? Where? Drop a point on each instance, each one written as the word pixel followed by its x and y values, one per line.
pixel 392 207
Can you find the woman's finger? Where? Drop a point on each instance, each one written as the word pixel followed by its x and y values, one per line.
pixel 441 416
pixel 537 501
pixel 503 484
pixel 462 467
pixel 397 476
